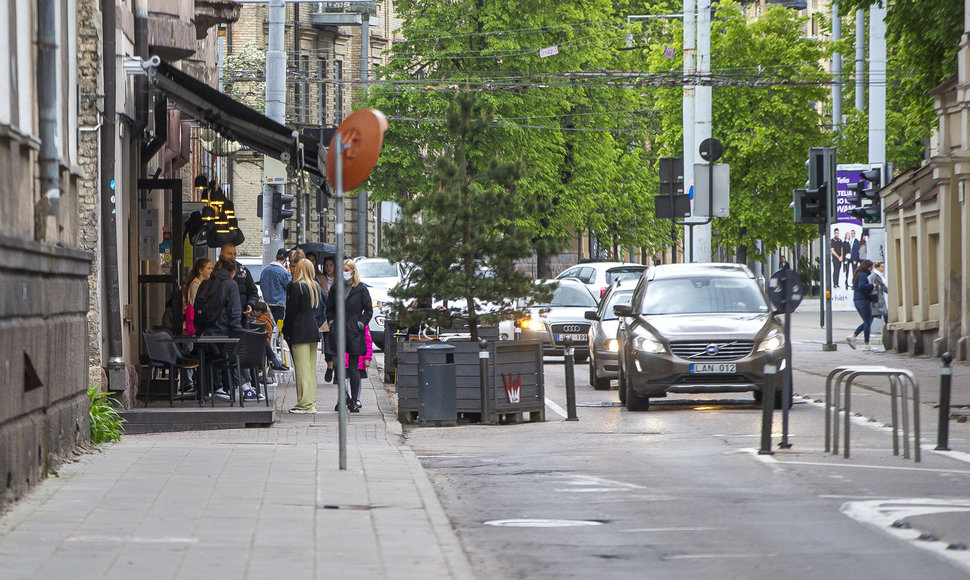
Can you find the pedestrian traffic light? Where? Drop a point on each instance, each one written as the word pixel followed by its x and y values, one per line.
pixel 868 208
pixel 281 210
pixel 811 204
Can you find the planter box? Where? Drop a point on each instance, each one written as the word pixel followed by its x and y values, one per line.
pixel 509 362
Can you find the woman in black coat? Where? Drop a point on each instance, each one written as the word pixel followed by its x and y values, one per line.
pixel 301 332
pixel 358 312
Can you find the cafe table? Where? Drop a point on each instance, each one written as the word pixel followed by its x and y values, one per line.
pixel 206 388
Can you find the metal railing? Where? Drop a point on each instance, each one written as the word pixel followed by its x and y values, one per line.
pixel 898 381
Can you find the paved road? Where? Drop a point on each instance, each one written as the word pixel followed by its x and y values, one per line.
pixel 680 492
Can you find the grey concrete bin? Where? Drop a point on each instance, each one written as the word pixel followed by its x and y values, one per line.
pixel 437 401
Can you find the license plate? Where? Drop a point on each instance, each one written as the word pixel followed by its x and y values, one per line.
pixel 704 368
pixel 575 337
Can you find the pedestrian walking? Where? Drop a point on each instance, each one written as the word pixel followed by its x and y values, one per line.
pixel 301 332
pixel 861 288
pixel 358 313
pixel 880 309
pixel 362 366
pixel 273 281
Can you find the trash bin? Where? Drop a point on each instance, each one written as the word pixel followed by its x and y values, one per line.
pixel 437 401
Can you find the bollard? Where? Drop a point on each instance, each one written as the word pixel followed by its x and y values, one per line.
pixel 570 383
pixel 483 381
pixel 943 428
pixel 767 408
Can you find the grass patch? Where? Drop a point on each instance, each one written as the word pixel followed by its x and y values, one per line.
pixel 105 420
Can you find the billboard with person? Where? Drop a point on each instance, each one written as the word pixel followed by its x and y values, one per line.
pixel 850 242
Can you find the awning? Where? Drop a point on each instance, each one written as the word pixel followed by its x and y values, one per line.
pixel 232 119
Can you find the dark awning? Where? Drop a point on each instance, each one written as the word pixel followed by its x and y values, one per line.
pixel 232 119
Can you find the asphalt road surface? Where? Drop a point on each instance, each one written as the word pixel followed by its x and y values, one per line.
pixel 681 492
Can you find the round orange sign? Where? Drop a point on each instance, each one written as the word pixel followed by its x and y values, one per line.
pixel 362 134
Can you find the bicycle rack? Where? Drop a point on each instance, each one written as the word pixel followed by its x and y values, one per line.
pixel 898 380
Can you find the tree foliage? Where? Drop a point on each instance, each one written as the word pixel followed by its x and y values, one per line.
pixel 463 238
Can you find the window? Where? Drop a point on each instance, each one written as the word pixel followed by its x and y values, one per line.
pixel 322 91
pixel 338 92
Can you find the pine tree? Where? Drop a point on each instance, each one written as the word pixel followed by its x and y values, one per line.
pixel 463 238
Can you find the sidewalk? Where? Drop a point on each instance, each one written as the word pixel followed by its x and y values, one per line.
pixel 244 503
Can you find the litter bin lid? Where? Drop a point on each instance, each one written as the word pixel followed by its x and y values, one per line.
pixel 437 348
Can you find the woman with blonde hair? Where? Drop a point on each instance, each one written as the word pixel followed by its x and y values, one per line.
pixel 302 333
pixel 357 315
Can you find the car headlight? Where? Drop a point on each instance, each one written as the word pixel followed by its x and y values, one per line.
pixel 612 345
pixel 774 341
pixel 533 324
pixel 649 345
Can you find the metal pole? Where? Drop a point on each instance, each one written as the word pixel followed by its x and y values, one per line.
pixel 860 60
pixel 836 71
pixel 362 196
pixel 690 150
pixel 943 426
pixel 702 119
pixel 338 284
pixel 570 382
pixel 786 377
pixel 767 408
pixel 49 160
pixel 877 84
pixel 275 110
pixel 827 287
pixel 486 418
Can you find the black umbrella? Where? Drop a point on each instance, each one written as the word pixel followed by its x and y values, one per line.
pixel 319 249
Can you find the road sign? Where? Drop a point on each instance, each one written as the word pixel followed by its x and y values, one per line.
pixel 785 290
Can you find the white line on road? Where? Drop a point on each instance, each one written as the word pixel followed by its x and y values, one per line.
pixel 858 466
pixel 676 530
pixel 556 408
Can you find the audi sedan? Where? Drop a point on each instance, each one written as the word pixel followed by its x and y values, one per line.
pixel 564 316
pixel 695 328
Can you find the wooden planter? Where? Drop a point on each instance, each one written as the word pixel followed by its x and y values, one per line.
pixel 509 362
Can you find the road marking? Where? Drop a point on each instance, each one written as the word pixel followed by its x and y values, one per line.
pixel 651 530
pixel 540 523
pixel 132 540
pixel 882 513
pixel 858 466
pixel 587 489
pixel 556 408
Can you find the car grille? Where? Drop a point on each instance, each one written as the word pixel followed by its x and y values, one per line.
pixel 709 379
pixel 706 351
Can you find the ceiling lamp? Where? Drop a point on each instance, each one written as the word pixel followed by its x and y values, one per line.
pixel 200 182
pixel 230 209
pixel 216 197
pixel 208 214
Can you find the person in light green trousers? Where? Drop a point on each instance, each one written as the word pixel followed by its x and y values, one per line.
pixel 302 333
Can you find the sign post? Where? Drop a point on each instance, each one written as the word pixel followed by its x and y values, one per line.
pixel 785 292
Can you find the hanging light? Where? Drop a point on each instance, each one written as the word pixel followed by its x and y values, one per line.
pixel 230 209
pixel 216 197
pixel 200 182
pixel 233 224
pixel 208 214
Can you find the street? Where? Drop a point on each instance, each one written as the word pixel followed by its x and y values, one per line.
pixel 680 491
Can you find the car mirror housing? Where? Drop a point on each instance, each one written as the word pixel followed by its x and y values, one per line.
pixel 622 310
pixel 591 315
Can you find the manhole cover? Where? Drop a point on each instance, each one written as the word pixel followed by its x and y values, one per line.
pixel 540 523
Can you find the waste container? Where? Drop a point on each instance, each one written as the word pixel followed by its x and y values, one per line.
pixel 437 401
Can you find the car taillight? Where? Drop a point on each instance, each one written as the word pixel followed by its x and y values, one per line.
pixel 603 290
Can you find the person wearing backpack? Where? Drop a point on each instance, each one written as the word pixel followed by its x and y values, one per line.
pixel 217 312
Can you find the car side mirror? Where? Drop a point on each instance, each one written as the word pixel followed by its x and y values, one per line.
pixel 591 315
pixel 622 310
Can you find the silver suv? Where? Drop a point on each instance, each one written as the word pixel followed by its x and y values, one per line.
pixel 695 328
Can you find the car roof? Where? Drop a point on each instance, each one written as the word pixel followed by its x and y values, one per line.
pixel 714 269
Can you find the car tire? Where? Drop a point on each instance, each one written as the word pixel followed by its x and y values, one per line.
pixel 635 402
pixel 621 388
pixel 596 382
pixel 581 357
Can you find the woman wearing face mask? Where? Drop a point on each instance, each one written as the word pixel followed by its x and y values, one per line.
pixel 358 313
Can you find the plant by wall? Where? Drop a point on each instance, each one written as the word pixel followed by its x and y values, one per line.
pixel 105 420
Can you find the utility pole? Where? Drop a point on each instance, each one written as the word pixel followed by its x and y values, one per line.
pixel 702 118
pixel 877 84
pixel 275 110
pixel 690 22
pixel 836 71
pixel 860 60
pixel 362 195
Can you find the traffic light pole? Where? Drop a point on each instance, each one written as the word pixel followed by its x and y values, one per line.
pixel 276 110
pixel 827 298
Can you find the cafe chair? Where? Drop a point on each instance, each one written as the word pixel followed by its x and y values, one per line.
pixel 165 357
pixel 250 353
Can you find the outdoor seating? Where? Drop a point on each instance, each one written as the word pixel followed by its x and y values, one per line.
pixel 165 357
pixel 250 353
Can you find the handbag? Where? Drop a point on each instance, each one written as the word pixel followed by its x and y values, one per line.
pixel 874 295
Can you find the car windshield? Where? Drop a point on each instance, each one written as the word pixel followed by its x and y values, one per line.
pixel 572 296
pixel 376 270
pixel 702 295
pixel 621 297
pixel 619 274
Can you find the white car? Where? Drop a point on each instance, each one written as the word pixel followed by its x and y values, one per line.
pixel 379 272
pixel 597 276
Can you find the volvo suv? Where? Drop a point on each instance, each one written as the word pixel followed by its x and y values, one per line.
pixel 695 328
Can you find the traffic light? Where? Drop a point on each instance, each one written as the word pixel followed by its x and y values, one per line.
pixel 281 211
pixel 868 213
pixel 812 203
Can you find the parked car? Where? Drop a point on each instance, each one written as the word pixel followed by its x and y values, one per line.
pixel 563 316
pixel 597 276
pixel 603 347
pixel 695 328
pixel 379 272
pixel 255 266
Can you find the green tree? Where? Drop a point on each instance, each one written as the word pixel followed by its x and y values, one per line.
pixel 464 236
pixel 768 77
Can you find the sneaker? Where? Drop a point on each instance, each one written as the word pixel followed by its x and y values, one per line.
pixel 851 340
pixel 328 376
pixel 281 367
pixel 303 411
pixel 222 394
pixel 271 383
pixel 251 395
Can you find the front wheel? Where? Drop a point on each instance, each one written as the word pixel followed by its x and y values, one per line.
pixel 581 357
pixel 621 385
pixel 635 402
pixel 596 382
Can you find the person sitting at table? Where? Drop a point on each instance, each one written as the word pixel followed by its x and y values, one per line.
pixel 226 314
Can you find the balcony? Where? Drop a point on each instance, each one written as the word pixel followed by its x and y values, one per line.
pixel 345 14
